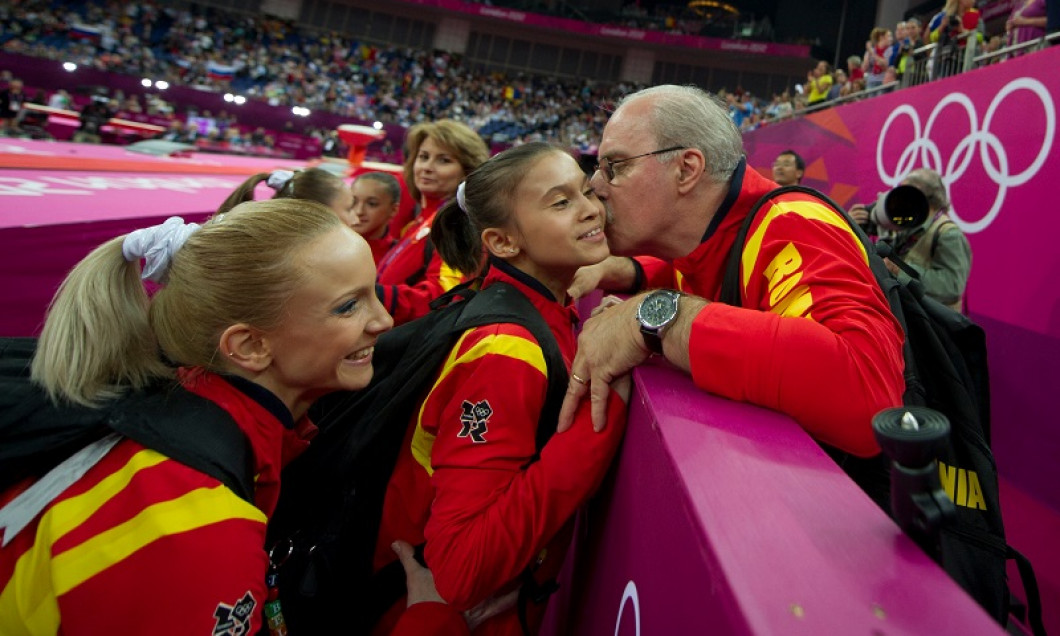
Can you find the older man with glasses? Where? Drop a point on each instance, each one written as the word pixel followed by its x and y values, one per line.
pixel 813 336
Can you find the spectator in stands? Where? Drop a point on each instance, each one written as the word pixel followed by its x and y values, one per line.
pixel 94 116
pixel 177 133
pixel 937 249
pixel 376 196
pixel 906 38
pixel 818 83
pixel 1026 22
pixel 233 140
pixel 855 73
pixel 751 112
pixel 257 138
pixel 741 108
pixel 780 106
pixel 950 29
pixel 131 105
pixel 32 122
pixel 60 99
pixel 899 35
pixel 676 186
pixel 788 168
pixel 993 45
pixel 258 314
pixel 841 87
pixel 957 18
pixel 876 59
pixel 11 100
pixel 310 184
pixel 438 156
pixel 158 106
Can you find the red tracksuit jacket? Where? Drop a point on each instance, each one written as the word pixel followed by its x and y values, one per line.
pixel 461 482
pixel 403 285
pixel 815 337
pixel 144 544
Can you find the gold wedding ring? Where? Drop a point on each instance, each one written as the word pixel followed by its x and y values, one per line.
pixel 574 376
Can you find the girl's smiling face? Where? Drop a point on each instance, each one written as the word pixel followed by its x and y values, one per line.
pixel 372 208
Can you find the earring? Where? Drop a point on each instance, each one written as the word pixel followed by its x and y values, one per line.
pixel 231 353
pixel 512 250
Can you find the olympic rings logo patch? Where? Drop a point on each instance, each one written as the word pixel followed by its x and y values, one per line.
pixel 924 151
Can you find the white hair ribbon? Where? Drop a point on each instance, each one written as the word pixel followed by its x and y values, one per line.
pixel 460 200
pixel 157 245
pixel 278 179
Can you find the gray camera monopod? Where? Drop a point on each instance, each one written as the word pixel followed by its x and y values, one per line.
pixel 912 438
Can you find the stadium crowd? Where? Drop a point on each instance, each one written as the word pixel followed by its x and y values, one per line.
pixel 271 59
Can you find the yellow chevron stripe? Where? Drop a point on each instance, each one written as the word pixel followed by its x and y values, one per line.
pixel 71 513
pixel 812 210
pixel 30 596
pixel 515 347
pixel 197 509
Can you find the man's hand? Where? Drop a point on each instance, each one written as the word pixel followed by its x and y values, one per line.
pixel 609 346
pixel 612 273
pixel 859 213
pixel 891 267
pixel 419 579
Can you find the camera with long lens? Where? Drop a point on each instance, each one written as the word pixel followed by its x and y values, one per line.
pixel 903 208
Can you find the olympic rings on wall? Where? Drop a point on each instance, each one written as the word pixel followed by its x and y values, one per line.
pixel 923 151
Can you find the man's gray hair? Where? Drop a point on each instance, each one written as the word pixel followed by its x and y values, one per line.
pixel 690 117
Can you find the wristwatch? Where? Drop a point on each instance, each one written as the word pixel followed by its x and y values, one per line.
pixel 655 313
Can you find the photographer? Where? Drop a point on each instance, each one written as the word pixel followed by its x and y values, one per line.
pixel 912 219
pixel 907 39
pixel 93 116
pixel 11 99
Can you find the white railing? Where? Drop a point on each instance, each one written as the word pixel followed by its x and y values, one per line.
pixel 1015 50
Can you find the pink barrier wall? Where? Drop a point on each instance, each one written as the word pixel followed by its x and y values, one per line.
pixel 991 134
pixel 726 518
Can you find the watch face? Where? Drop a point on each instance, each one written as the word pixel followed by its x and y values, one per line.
pixel 658 309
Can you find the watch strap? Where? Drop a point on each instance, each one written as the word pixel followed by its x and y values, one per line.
pixel 652 339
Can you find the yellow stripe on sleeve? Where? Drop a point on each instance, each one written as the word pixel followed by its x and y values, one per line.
pixel 812 210
pixel 197 509
pixel 39 578
pixel 71 513
pixel 511 346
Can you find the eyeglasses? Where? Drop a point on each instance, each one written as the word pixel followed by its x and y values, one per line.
pixel 608 165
